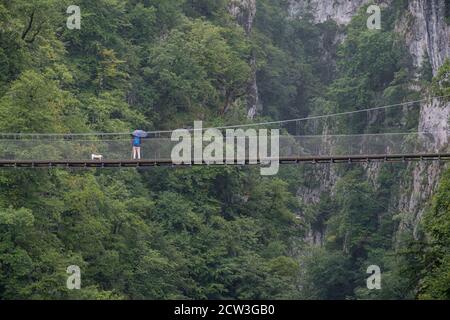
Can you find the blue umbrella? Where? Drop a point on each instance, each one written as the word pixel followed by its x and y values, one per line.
pixel 140 133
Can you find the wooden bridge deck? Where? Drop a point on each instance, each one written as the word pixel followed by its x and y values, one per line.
pixel 168 162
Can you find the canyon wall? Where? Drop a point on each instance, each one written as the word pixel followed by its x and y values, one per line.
pixel 427 35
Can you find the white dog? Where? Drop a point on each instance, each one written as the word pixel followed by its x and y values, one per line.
pixel 96 157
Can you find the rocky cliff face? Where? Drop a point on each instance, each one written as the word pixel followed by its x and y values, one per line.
pixel 425 176
pixel 427 34
pixel 423 23
pixel 341 11
pixel 244 12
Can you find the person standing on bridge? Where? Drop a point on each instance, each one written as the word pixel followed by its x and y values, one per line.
pixel 136 142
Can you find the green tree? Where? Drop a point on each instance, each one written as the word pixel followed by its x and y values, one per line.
pixel 441 83
pixel 33 104
pixel 436 281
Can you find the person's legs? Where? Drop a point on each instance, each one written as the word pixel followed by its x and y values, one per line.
pixel 134 153
pixel 139 152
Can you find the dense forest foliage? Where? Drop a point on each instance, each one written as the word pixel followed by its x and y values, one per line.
pixel 205 233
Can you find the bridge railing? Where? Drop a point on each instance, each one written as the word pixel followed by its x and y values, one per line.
pixel 159 149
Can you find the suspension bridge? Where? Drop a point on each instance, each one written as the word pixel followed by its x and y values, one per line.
pixel 25 150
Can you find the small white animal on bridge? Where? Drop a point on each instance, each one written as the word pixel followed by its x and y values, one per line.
pixel 96 157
